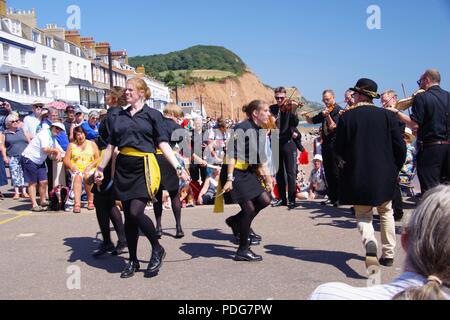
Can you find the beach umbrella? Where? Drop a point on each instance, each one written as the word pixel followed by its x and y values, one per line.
pixel 59 105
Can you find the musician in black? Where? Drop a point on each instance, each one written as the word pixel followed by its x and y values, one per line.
pixel 431 119
pixel 287 123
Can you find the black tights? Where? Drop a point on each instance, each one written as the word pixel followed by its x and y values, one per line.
pixel 135 220
pixel 249 210
pixel 176 207
pixel 106 210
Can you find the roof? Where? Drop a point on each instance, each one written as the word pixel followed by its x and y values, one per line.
pixel 84 84
pixel 4 69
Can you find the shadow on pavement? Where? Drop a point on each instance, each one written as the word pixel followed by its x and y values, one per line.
pixel 81 250
pixel 208 250
pixel 337 259
pixel 213 234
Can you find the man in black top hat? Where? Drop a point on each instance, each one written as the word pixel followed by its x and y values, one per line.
pixel 371 152
pixel 431 119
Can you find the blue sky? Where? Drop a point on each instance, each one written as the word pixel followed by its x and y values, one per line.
pixel 313 45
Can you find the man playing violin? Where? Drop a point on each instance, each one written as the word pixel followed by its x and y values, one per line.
pixel 287 122
pixel 329 119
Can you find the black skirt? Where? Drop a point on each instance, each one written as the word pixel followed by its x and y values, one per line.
pixel 169 176
pixel 129 181
pixel 246 185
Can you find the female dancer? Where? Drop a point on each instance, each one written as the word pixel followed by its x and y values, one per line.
pixel 169 177
pixel 137 132
pixel 104 200
pixel 242 173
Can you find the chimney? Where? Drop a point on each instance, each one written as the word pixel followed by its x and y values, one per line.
pixel 87 42
pixel 101 48
pixel 140 69
pixel 54 30
pixel 121 56
pixel 3 8
pixel 73 36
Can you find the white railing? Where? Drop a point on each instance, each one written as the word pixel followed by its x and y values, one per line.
pixel 24 98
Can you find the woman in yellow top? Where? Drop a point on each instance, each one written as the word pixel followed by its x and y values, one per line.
pixel 81 158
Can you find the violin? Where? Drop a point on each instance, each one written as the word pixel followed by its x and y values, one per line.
pixel 290 105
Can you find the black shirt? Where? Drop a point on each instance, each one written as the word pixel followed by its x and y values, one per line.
pixel 144 131
pixel 104 127
pixel 431 111
pixel 247 143
pixel 287 122
pixel 328 135
pixel 172 132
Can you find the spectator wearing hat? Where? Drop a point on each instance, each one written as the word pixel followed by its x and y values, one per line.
pixel 33 162
pixel 70 118
pixel 32 121
pixel 317 185
pixel 91 125
pixel 370 152
pixel 79 119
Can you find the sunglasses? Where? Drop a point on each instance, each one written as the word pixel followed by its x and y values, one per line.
pixel 15 121
pixel 279 98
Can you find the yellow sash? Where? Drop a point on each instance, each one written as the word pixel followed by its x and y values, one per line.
pixel 219 201
pixel 152 173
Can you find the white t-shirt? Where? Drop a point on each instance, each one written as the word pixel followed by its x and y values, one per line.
pixel 30 124
pixel 34 151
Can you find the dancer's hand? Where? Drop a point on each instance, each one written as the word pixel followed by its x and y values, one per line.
pixel 99 177
pixel 228 187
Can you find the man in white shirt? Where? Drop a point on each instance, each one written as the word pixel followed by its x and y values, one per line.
pixel 33 162
pixel 31 122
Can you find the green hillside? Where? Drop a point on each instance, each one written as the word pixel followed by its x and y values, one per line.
pixel 194 58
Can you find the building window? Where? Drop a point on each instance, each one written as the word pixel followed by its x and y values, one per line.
pixel 23 55
pixel 8 86
pixel 54 65
pixel 25 88
pixel 85 72
pixel 70 68
pixel 66 47
pixel 78 52
pixel 5 52
pixel 78 70
pixel 49 42
pixel 44 62
pixel 36 36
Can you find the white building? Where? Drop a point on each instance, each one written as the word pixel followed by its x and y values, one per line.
pixel 36 65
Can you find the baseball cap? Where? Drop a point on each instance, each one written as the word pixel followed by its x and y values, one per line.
pixel 318 157
pixel 78 110
pixel 70 109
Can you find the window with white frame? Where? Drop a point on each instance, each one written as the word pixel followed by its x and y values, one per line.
pixel 54 65
pixel 5 52
pixel 66 47
pixel 8 86
pixel 70 68
pixel 78 52
pixel 85 72
pixel 44 62
pixel 78 71
pixel 23 57
pixel 49 42
pixel 36 36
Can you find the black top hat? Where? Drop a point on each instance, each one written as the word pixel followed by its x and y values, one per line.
pixel 367 87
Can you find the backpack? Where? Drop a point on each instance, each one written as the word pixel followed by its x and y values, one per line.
pixel 58 197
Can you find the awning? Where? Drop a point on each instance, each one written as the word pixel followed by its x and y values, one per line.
pixel 84 85
pixel 22 109
pixel 19 72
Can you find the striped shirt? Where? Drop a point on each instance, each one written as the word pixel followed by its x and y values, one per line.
pixel 342 291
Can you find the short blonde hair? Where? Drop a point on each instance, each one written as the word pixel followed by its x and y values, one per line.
pixel 12 117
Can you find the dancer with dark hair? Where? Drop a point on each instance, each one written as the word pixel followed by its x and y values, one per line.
pixel 246 165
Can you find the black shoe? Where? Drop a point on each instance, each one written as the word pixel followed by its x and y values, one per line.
pixel 121 248
pixel 326 203
pixel 255 235
pixel 387 262
pixel 180 233
pixel 279 203
pixel 336 204
pixel 371 254
pixel 251 241
pixel 102 249
pixel 352 211
pixel 156 262
pixel 398 216
pixel 233 226
pixel 159 232
pixel 247 255
pixel 130 269
pixel 292 205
